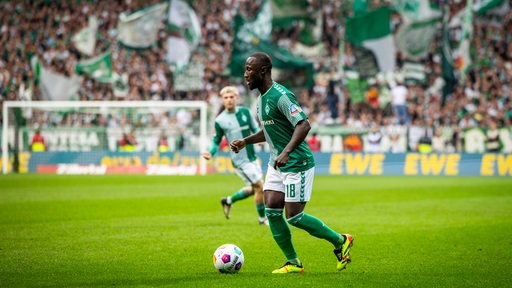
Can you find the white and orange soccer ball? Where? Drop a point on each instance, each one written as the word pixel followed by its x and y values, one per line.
pixel 228 258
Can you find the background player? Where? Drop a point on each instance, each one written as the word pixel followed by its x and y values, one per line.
pixel 236 122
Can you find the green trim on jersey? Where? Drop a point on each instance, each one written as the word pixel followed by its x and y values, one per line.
pixel 237 125
pixel 279 113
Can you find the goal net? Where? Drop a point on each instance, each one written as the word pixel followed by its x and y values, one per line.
pixel 104 137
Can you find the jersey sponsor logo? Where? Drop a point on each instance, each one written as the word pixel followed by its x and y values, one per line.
pixel 294 109
pixel 241 128
pixel 268 122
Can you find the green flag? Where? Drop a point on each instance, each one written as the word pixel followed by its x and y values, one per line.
pixel 300 15
pixel 462 59
pixel 360 7
pixel 286 12
pixel 415 10
pixel 370 35
pixel 253 35
pixel 447 59
pixel 98 68
pixel 485 5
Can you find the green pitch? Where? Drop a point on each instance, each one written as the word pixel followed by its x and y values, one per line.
pixel 140 231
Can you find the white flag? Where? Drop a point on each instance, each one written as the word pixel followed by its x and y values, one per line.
pixel 55 86
pixel 140 29
pixel 420 26
pixel 120 87
pixel 183 19
pixel 178 51
pixel 85 39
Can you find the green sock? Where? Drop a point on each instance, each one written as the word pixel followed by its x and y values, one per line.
pixel 295 261
pixel 238 195
pixel 261 209
pixel 317 228
pixel 281 233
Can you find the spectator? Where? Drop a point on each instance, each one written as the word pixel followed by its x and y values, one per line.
pixel 399 96
pixel 314 143
pixel 395 143
pixel 121 143
pixel 372 97
pixel 438 141
pixel 332 100
pixel 492 137
pixel 38 143
pixel 127 143
pixel 131 142
pixel 425 143
pixel 467 121
pixel 163 145
pixel 374 139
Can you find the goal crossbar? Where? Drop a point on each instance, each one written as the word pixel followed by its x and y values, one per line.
pixel 202 106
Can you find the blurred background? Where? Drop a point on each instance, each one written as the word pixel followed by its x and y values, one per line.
pixel 374 76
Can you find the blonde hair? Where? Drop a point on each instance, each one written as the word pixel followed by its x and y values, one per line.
pixel 229 89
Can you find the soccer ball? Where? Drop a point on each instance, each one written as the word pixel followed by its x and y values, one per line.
pixel 228 258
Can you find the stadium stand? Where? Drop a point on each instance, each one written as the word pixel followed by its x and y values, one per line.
pixel 44 28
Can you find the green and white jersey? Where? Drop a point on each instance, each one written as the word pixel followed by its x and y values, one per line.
pixel 236 125
pixel 279 112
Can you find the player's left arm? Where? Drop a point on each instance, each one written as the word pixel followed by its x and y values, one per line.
pixel 239 144
pixel 288 106
pixel 299 134
pixel 254 124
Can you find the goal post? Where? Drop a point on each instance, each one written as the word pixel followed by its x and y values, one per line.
pixel 95 127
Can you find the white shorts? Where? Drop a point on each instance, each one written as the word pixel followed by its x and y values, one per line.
pixel 297 186
pixel 250 173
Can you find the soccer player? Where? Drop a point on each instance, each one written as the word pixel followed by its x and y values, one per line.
pixel 289 180
pixel 235 122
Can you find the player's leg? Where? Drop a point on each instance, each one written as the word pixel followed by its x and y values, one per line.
pixel 274 202
pixel 226 202
pixel 259 202
pixel 252 171
pixel 298 193
pixel 252 175
pixel 316 227
pixel 240 194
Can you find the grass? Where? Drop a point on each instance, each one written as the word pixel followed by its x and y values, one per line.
pixel 140 231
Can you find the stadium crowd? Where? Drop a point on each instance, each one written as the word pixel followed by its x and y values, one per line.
pixel 483 99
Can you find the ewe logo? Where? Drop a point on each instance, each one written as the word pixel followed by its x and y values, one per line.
pixel 294 109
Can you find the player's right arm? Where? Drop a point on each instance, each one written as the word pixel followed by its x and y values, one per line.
pixel 239 144
pixel 215 143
